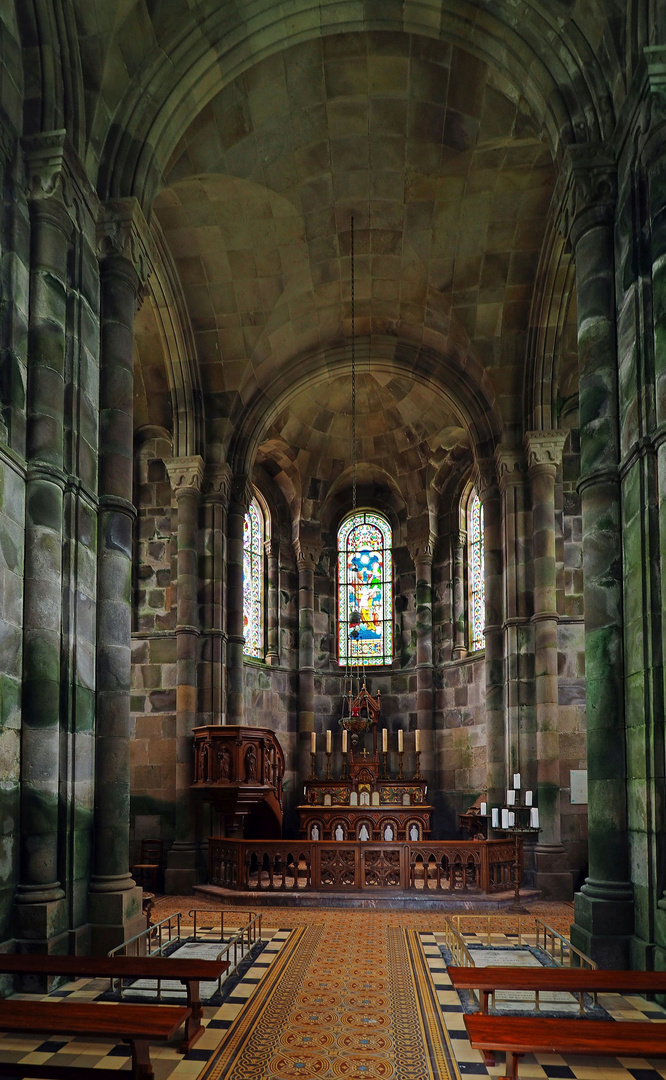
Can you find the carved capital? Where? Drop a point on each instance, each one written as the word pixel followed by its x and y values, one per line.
pixel 308 545
pixel 510 466
pixel 544 449
pixel 122 233
pixel 272 547
pixel 54 175
pixel 485 479
pixel 217 483
pixel 185 473
pixel 44 157
pixel 241 492
pixel 420 540
pixel 587 189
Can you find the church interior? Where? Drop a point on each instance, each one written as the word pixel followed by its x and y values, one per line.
pixel 332 446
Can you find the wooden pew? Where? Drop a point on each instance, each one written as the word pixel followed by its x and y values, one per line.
pixel 138 1025
pixel 189 972
pixel 518 1035
pixel 561 980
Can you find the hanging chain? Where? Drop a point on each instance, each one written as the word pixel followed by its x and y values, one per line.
pixel 353 377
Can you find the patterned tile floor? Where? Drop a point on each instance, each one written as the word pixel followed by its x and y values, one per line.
pixel 359 995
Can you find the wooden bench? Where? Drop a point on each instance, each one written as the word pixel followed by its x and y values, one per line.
pixel 561 980
pixel 138 1025
pixel 189 972
pixel 518 1035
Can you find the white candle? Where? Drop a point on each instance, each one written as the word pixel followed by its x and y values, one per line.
pixel 313 743
pixel 516 780
pixel 400 741
pixel 510 797
pixel 512 819
pixel 495 817
pixel 417 740
pixel 328 741
pixel 505 818
pixel 534 817
pixel 344 740
pixel 528 798
pixel 384 741
pixel 484 809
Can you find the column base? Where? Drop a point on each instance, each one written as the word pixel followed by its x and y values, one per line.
pixel 183 870
pixel 41 925
pixel 604 922
pixel 551 872
pixel 115 916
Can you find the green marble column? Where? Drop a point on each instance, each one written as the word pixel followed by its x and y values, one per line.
pixel 216 488
pixel 544 456
pixel 186 476
pixel 489 496
pixel 41 910
pixel 307 551
pixel 241 496
pixel 603 907
pixel 115 900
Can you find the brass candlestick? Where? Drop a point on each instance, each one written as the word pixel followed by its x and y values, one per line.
pixel 417 774
pixel 384 774
pixel 313 775
pixel 401 775
pixel 328 765
pixel 345 773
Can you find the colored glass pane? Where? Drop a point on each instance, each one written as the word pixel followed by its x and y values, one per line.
pixel 253 581
pixel 365 590
pixel 476 569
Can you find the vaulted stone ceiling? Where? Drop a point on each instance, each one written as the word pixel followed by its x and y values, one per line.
pixel 449 183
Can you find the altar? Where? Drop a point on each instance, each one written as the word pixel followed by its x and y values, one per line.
pixel 365 803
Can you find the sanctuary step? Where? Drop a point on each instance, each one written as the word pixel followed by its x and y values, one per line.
pixel 389 900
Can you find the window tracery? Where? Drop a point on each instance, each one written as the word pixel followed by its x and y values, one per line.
pixel 476 573
pixel 253 581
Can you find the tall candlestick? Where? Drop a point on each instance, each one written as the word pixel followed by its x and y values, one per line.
pixel 328 741
pixel 417 740
pixel 313 742
pixel 384 741
pixel 344 740
pixel 400 741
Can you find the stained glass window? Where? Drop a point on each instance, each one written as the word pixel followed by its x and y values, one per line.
pixel 477 590
pixel 365 590
pixel 253 581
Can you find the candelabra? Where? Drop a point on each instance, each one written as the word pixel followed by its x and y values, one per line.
pixel 313 774
pixel 384 774
pixel 344 775
pixel 401 775
pixel 417 774
pixel 520 820
pixel 328 765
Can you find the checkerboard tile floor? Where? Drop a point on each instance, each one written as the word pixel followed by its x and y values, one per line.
pixel 539 1066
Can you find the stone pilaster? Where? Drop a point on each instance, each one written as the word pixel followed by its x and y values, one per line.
pixel 124 249
pixel 272 549
pixel 489 495
pixel 240 499
pixel 216 490
pixel 421 548
pixel 307 549
pixel 544 456
pixel 458 552
pixel 186 475
pixel 41 909
pixel 603 908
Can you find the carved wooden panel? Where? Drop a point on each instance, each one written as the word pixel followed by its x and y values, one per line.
pixel 381 868
pixel 337 868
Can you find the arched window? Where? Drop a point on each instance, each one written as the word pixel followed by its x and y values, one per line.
pixel 365 589
pixel 253 581
pixel 475 573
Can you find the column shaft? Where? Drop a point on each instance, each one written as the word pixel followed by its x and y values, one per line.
pixel 459 549
pixel 272 623
pixel 494 644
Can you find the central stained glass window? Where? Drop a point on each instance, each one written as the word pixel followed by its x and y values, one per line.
pixel 365 590
pixel 253 581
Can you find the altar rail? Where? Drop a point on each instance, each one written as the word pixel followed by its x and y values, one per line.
pixel 436 866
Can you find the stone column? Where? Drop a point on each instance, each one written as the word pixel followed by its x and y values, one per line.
pixel 307 551
pixel 186 475
pixel 544 455
pixel 41 909
pixel 459 550
pixel 489 496
pixel 272 549
pixel 217 482
pixel 115 900
pixel 603 908
pixel 241 497
pixel 421 549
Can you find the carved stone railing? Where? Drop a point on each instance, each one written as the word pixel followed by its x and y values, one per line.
pixel 433 867
pixel 240 771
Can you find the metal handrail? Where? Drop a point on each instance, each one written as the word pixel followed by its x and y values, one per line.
pixel 194 912
pixel 455 943
pixel 250 928
pixel 557 938
pixel 487 919
pixel 154 930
